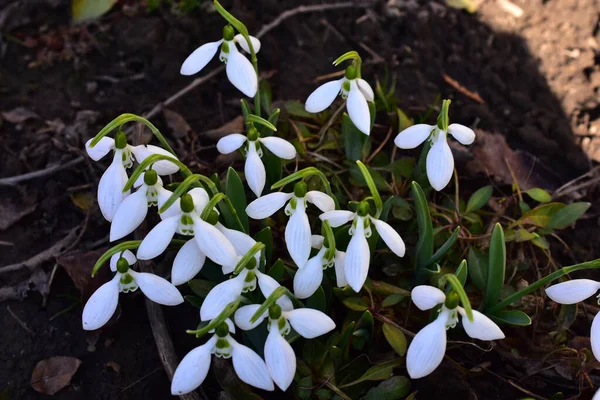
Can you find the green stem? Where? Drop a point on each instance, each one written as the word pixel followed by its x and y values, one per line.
pixel 258 246
pixel 212 204
pixel 133 244
pixel 181 189
pixel 543 282
pixel 144 165
pixel 372 187
pixel 304 173
pixel 462 295
pixel 270 301
pixel 218 320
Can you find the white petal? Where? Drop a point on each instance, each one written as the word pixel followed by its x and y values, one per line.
pixel 200 198
pixel 199 58
pixel 440 164
pixel 162 167
pixel 316 241
pixel 241 242
pixel 596 395
pixel 309 277
pixel 358 109
pixel 239 39
pixel 323 201
pixel 573 291
pixel 192 370
pixel 340 275
pixel 157 289
pixel 256 176
pixel 427 349
pixel 240 72
pixel 426 297
pixel 230 143
pixel 249 367
pixel 309 323
pixel 267 285
pixel 101 148
pixel 188 262
pixel 174 209
pixel 365 89
pixel 358 257
pixel 267 205
pixel 390 237
pixel 110 188
pixel 297 235
pixel 413 136
pixel 157 240
pixel 481 327
pixel 280 358
pixel 130 214
pixel 101 305
pixel 213 243
pixel 337 217
pixel 595 336
pixel 127 254
pixel 244 314
pixel 280 147
pixel 463 134
pixel 221 295
pixel 323 96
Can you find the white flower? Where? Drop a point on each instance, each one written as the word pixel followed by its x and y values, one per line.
pixel 575 291
pixel 240 71
pixel 358 254
pixel 110 188
pixel 279 355
pixel 297 230
pixel 103 303
pixel 309 277
pixel 248 365
pixel 427 349
pixel 356 91
pixel 440 162
pixel 254 168
pixel 229 291
pixel 183 217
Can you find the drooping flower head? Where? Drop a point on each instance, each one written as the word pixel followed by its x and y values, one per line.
pixel 239 70
pixel 110 188
pixel 248 365
pixel 355 90
pixel 297 230
pixel 254 169
pixel 103 303
pixel 428 347
pixel 440 161
pixel 358 254
pixel 279 355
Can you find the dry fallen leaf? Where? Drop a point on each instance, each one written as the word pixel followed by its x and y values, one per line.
pixel 83 200
pixel 177 123
pixel 19 115
pixel 236 125
pixel 51 375
pixel 79 267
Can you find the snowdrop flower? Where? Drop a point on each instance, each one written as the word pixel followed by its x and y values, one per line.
pixel 575 291
pixel 248 365
pixel 297 230
pixel 309 277
pixel 110 188
pixel 440 162
pixel 355 91
pixel 183 217
pixel 358 254
pixel 103 303
pixel 240 71
pixel 279 355
pixel 427 349
pixel 229 291
pixel 254 169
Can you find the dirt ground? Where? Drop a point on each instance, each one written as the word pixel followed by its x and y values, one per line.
pixel 532 78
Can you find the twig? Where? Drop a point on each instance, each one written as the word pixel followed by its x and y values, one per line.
pixel 378 149
pixel 13 180
pixel 325 127
pixel 23 324
pixel 139 380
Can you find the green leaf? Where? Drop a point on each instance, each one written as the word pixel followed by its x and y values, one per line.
pixel 512 317
pixel 403 168
pixel 392 300
pixel 539 195
pixel 277 270
pixel 394 388
pixel 265 236
pixel 83 10
pixel 193 300
pixel 353 139
pixel 568 215
pixel 304 388
pixel 478 268
pixel 297 109
pixel 479 198
pixel 272 167
pixel 236 193
pixel 523 235
pixel 461 272
pixel 403 120
pixel 444 248
pixel 540 216
pixel 496 268
pixel 355 303
pixel 376 373
pixel 424 249
pixel 395 338
pixel 201 287
pixel 317 301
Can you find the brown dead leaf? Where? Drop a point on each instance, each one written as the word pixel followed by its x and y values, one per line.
pixel 54 374
pixel 236 125
pixel 19 115
pixel 177 124
pixel 38 280
pixel 11 213
pixel 83 200
pixel 79 266
pixel 114 366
